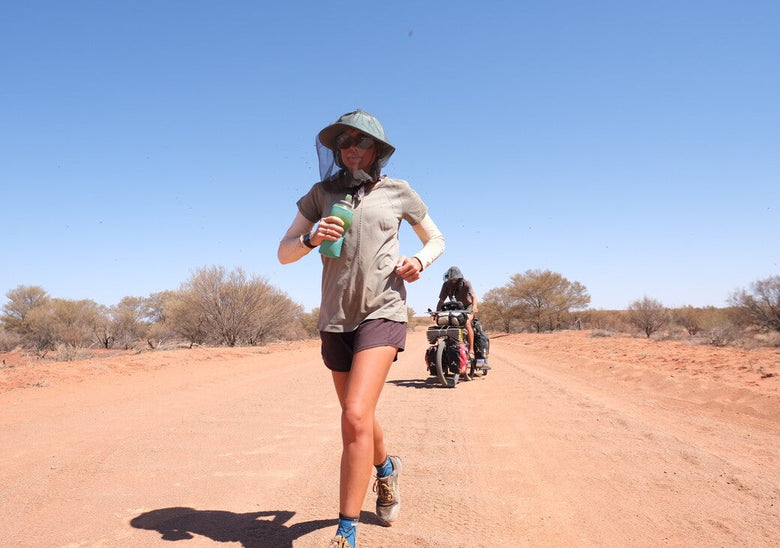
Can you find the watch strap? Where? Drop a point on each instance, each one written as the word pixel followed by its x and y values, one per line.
pixel 306 239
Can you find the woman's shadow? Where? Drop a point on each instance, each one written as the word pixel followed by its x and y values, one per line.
pixel 252 530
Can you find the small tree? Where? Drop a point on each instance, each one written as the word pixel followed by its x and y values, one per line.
pixel 157 312
pixel 762 306
pixel 544 298
pixel 275 317
pixel 40 330
pixel 129 325
pixel 21 301
pixel 496 311
pixel 224 301
pixel 75 322
pixel 689 318
pixel 185 318
pixel 648 315
pixel 230 308
pixel 103 329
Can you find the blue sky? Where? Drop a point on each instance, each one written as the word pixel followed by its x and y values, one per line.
pixel 633 147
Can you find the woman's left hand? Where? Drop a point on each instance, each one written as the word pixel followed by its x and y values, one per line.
pixel 408 269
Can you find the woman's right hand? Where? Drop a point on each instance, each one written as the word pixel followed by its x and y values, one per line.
pixel 409 269
pixel 329 228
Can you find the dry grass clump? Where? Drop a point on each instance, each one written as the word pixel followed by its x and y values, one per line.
pixel 68 353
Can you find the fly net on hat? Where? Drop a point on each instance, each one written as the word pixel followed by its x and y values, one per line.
pixel 329 155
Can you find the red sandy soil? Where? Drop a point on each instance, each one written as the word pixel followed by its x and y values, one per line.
pixel 570 440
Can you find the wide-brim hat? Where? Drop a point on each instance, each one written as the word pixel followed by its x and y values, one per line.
pixel 363 122
pixel 453 273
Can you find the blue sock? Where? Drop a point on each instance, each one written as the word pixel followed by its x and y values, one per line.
pixel 385 469
pixel 348 528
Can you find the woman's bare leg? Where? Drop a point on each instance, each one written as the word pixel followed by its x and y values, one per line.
pixel 361 435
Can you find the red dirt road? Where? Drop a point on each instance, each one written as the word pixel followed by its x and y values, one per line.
pixel 568 441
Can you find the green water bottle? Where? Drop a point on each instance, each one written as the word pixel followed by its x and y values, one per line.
pixel 344 210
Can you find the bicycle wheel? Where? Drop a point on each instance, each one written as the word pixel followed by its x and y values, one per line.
pixel 440 366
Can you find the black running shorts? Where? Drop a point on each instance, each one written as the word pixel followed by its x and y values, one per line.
pixel 339 348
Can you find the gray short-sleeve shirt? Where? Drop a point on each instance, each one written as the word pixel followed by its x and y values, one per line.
pixel 362 283
pixel 461 291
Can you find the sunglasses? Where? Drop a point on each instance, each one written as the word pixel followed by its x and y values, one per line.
pixel 345 140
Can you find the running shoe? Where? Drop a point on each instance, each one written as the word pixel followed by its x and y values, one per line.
pixel 339 542
pixel 388 496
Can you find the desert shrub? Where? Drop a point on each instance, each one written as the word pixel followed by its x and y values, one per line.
pixel 152 322
pixel 761 305
pixel 276 316
pixel 308 321
pixel 715 317
pixel 671 333
pixel 185 319
pixel 212 307
pixel 606 320
pixel 724 335
pixel 167 344
pixel 219 307
pixel 103 329
pixel 40 333
pixel 598 333
pixel 67 353
pixel 75 321
pixel 22 300
pixel 130 323
pixel 688 318
pixel 161 336
pixel 574 320
pixel 769 339
pixel 648 315
pixel 8 340
pixel 754 337
pixel 60 322
pixel 221 303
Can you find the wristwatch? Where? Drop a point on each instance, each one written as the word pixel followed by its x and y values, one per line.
pixel 307 241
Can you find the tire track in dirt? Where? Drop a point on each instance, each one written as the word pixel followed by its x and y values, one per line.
pixel 619 453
